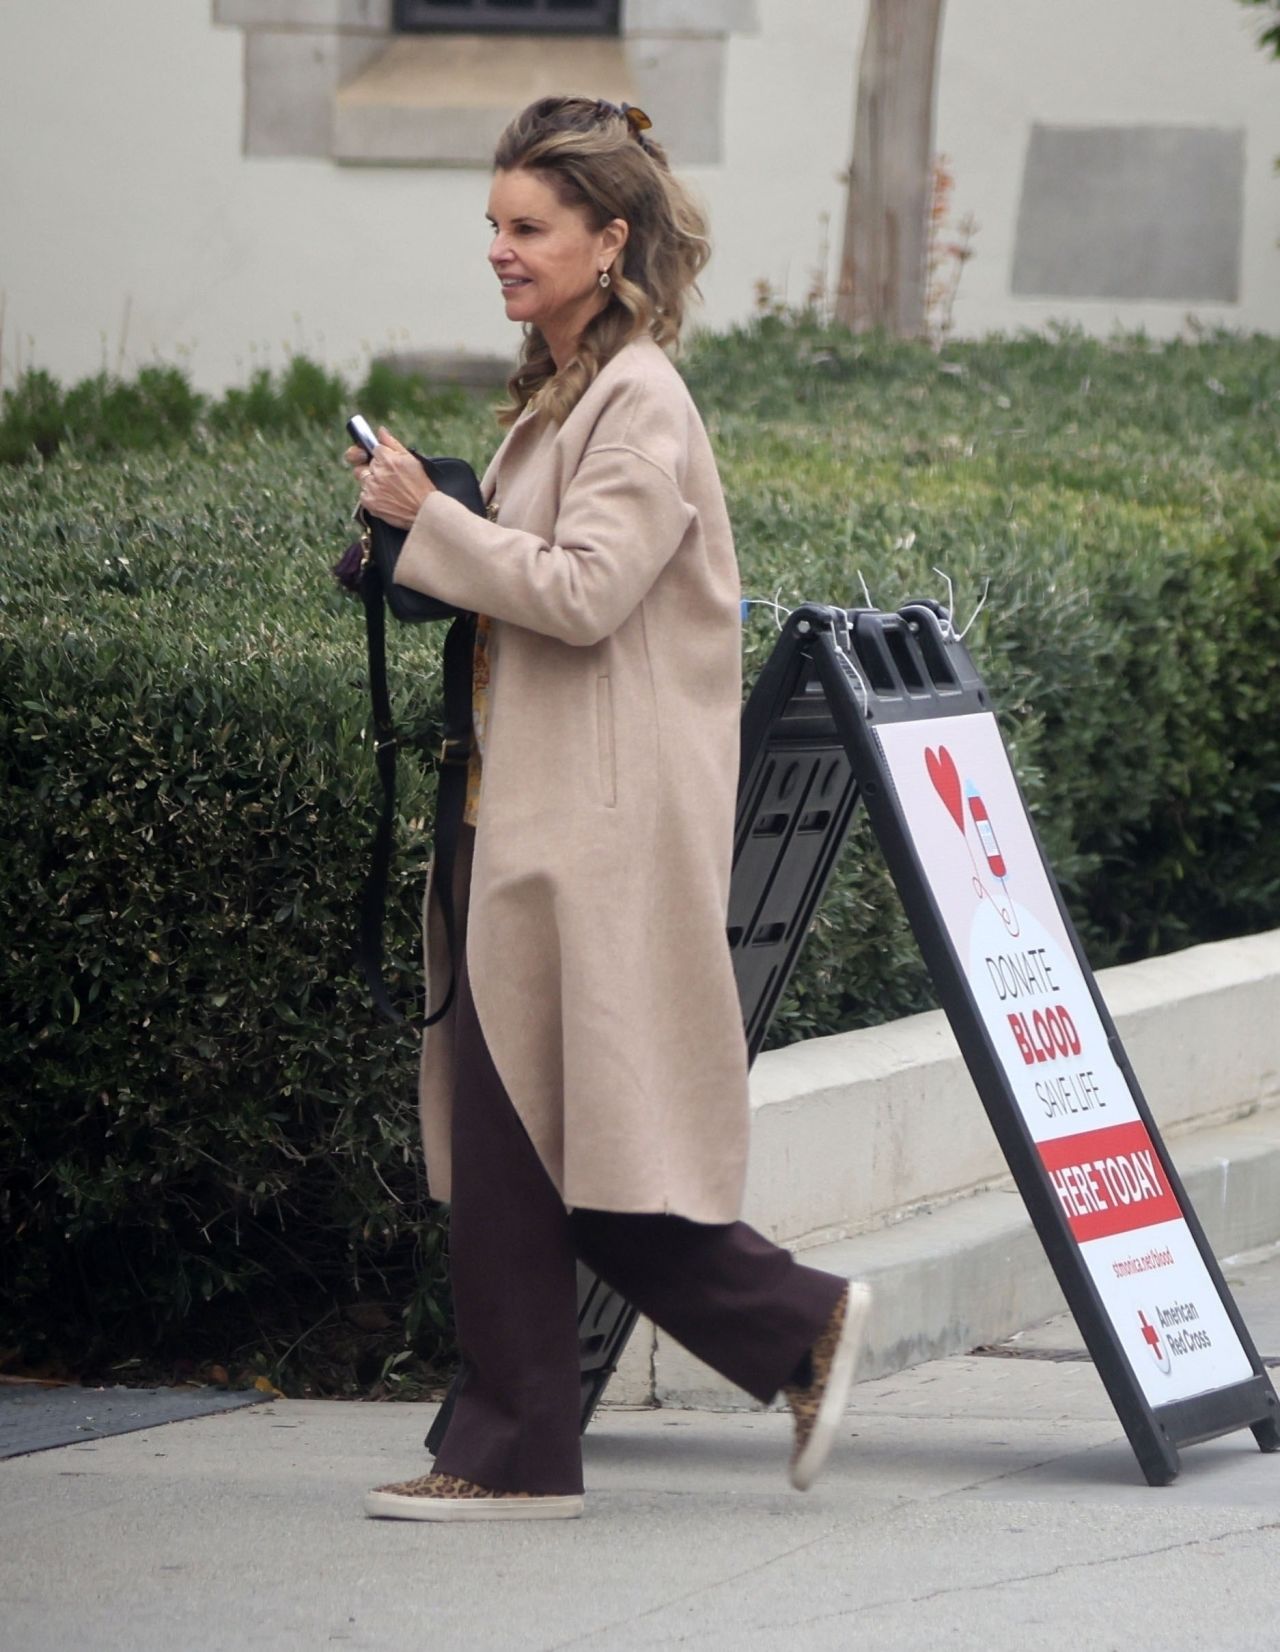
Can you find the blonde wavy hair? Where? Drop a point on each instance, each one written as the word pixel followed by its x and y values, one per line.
pixel 593 158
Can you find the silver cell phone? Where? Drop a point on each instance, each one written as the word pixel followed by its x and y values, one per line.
pixel 360 433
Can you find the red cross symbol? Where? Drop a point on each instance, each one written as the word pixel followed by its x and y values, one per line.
pixel 1150 1335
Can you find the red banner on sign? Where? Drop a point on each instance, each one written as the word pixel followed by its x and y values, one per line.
pixel 1109 1181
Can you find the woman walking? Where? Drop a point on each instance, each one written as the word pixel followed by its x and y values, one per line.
pixel 586 1097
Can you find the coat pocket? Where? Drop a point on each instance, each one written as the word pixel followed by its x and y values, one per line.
pixel 605 742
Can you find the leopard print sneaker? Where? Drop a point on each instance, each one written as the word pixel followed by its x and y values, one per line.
pixel 818 1405
pixel 447 1497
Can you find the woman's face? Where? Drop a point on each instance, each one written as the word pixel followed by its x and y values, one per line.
pixel 547 256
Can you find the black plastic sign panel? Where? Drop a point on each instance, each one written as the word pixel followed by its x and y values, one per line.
pixel 1107 1203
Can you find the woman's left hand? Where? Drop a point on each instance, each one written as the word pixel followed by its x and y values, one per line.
pixel 393 484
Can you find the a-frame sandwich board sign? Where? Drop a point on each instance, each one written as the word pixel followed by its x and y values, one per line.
pixel 836 684
pixel 1106 1201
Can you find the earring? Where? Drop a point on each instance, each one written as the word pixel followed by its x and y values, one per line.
pixel 605 279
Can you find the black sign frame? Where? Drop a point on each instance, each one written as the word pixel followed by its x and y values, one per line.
pixel 877 669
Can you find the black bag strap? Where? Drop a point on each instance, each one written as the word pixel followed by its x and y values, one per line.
pixel 451 793
pixel 451 786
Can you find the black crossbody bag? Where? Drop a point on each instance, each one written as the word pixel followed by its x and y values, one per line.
pixel 367 569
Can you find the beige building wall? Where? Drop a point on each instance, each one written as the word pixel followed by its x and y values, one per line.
pixel 1169 64
pixel 199 180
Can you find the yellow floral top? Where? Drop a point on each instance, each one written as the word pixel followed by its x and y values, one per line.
pixel 479 717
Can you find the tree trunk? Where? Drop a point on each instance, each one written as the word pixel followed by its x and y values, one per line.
pixel 882 275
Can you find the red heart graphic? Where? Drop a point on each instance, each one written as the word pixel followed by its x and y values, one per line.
pixel 946 781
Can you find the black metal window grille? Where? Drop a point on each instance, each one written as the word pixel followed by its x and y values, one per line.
pixel 513 16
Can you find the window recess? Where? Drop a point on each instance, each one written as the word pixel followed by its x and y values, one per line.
pixel 509 16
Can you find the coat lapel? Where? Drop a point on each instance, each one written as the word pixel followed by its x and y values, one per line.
pixel 514 441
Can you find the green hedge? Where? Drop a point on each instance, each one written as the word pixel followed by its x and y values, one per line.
pixel 206 1138
pixel 1122 500
pixel 207 1141
pixel 103 416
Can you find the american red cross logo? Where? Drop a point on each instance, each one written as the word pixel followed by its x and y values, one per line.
pixel 1152 1339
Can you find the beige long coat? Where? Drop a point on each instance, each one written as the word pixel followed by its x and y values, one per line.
pixel 596 933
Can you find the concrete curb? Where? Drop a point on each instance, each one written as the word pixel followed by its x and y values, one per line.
pixel 872 1157
pixel 973 1271
pixel 854 1131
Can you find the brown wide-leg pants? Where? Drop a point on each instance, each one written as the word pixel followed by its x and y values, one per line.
pixel 739 1303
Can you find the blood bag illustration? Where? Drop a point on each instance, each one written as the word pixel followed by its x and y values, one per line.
pixel 985 830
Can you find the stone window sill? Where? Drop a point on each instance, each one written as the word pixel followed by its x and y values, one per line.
pixel 443 100
pixel 329 79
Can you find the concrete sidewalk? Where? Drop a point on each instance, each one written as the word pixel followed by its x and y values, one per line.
pixel 974 1502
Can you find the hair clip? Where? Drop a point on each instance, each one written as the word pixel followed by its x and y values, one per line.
pixel 635 118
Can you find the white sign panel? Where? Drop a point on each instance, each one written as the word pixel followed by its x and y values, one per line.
pixel 970 832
